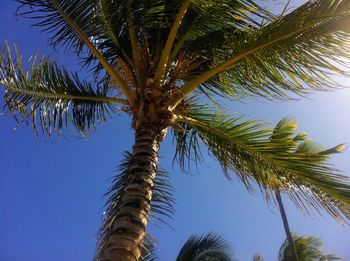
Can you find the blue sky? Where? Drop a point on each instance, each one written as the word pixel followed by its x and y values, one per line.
pixel 51 191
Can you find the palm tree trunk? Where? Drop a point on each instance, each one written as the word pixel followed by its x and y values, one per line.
pixel 129 227
pixel 286 226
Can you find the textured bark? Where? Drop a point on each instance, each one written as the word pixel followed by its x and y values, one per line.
pixel 286 226
pixel 126 238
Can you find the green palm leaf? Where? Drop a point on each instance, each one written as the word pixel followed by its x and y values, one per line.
pixel 49 15
pixel 294 53
pixel 246 148
pixel 207 247
pixel 47 94
pixel 284 134
pixel 77 24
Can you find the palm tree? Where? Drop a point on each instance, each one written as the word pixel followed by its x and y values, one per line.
pixel 284 133
pixel 308 249
pixel 166 63
pixel 213 247
pixel 209 247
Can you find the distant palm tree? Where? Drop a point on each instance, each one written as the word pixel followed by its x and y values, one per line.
pixel 286 128
pixel 308 249
pixel 284 133
pixel 213 247
pixel 167 64
pixel 209 247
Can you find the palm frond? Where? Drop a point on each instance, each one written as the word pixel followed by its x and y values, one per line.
pixel 246 149
pixel 49 15
pixel 155 19
pixel 258 258
pixel 158 16
pixel 207 25
pixel 205 30
pixel 307 248
pixel 75 24
pixel 113 41
pixel 330 257
pixel 149 19
pixel 166 52
pixel 148 252
pixel 162 204
pixel 284 134
pixel 45 93
pixel 206 247
pixel 292 54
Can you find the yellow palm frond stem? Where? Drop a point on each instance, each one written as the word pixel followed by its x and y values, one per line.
pixel 164 59
pixel 126 90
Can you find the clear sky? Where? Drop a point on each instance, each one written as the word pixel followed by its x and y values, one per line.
pixel 51 191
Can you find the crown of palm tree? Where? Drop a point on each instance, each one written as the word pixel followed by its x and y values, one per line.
pixel 307 248
pixel 206 247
